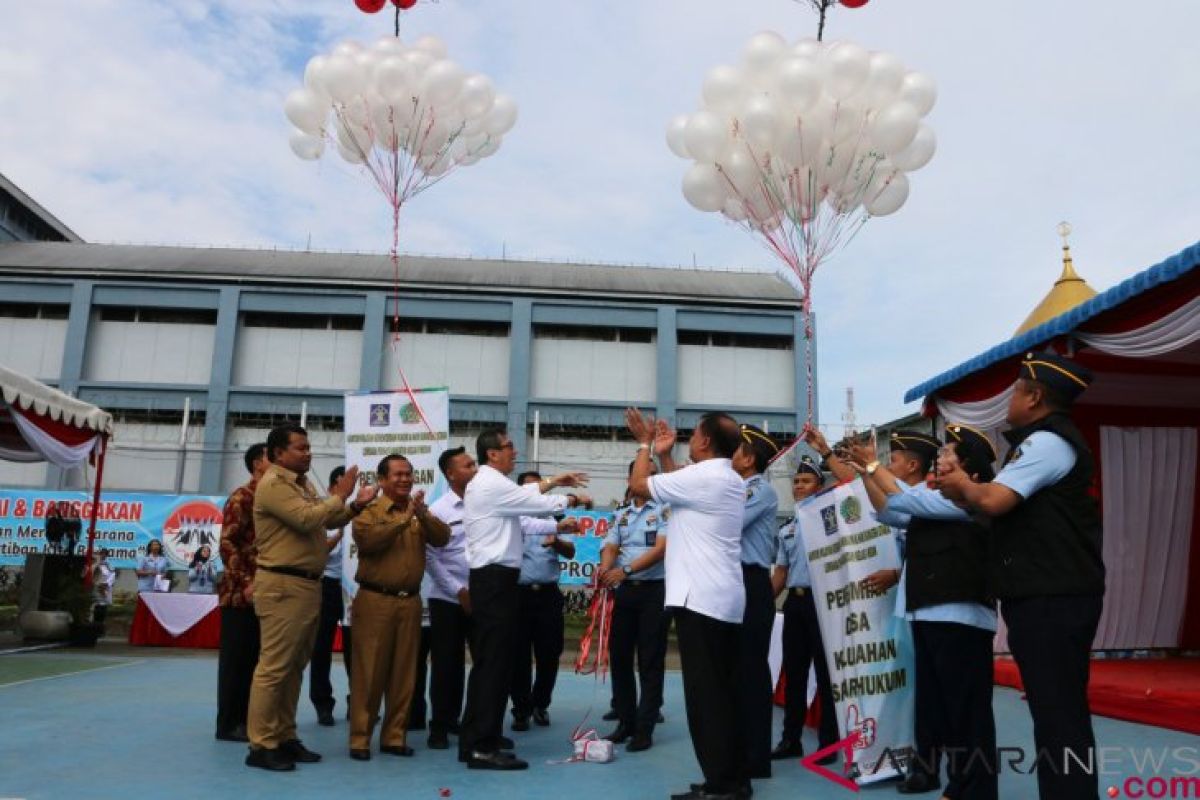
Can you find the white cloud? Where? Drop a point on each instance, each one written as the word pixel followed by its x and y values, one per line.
pixel 141 121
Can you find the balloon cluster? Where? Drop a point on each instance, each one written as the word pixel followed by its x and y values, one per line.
pixel 407 113
pixel 802 143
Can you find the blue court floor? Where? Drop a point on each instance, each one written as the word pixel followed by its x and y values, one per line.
pixel 141 727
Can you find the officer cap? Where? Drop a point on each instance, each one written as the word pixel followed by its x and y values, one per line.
pixel 1067 378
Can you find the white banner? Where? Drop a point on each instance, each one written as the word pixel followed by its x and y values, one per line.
pixel 868 648
pixel 379 424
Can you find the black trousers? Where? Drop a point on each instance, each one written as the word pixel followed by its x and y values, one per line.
pixel 495 604
pixel 418 709
pixel 320 690
pixel 639 623
pixel 1051 640
pixel 755 692
pixel 708 652
pixel 953 665
pixel 540 629
pixel 236 661
pixel 803 648
pixel 448 627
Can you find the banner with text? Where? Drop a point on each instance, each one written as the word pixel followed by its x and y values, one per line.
pixel 379 424
pixel 125 524
pixel 867 646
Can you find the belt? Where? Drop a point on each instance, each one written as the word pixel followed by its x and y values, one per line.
pixel 537 587
pixel 379 589
pixel 799 591
pixel 295 572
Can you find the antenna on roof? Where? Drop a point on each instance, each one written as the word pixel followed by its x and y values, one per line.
pixel 308 243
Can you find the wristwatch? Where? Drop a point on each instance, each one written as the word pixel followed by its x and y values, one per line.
pixel 872 467
pixel 628 570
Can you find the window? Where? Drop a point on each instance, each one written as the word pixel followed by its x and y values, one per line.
pixel 593 334
pixel 33 311
pixel 319 322
pixel 169 316
pixel 755 341
pixel 448 327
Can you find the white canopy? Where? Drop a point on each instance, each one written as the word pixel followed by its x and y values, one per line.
pixel 39 423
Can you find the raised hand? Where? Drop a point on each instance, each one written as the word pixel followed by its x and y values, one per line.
pixel 366 494
pixel 570 479
pixel 345 484
pixel 418 502
pixel 664 438
pixel 816 440
pixel 568 525
pixel 642 430
pixel 863 452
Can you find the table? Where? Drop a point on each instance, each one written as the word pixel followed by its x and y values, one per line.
pixel 176 619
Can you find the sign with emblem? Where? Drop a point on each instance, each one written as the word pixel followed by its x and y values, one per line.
pixel 868 648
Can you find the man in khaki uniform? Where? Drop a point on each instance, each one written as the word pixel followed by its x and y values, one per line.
pixel 391 535
pixel 290 521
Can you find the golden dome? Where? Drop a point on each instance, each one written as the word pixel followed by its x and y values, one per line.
pixel 1068 291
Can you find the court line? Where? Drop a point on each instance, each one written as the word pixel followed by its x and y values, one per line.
pixel 69 674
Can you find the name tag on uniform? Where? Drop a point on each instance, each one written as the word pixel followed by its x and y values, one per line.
pixel 651 536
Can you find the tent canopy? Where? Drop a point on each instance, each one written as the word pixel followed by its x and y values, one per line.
pixel 40 423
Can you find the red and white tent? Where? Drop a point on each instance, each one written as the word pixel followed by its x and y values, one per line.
pixel 40 423
pixel 1142 418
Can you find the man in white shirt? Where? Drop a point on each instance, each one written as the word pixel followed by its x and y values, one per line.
pixel 703 584
pixel 449 601
pixel 492 509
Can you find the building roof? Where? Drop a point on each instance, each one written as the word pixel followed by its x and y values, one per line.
pixel 33 207
pixel 1068 291
pixel 1171 269
pixel 420 272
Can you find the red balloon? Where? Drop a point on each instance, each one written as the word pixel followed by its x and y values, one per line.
pixel 405 3
pixel 370 6
pixel 853 3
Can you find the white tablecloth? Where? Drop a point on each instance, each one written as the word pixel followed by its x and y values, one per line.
pixel 178 612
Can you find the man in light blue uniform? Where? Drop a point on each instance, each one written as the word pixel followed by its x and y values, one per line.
pixel 759 528
pixel 944 594
pixel 802 644
pixel 631 564
pixel 540 621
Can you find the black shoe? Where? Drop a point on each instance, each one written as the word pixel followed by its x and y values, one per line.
pixel 541 717
pixel 787 748
pixel 919 783
pixel 504 743
pixel 702 794
pixel 397 750
pixel 360 755
pixel 238 734
pixel 520 723
pixel 639 742
pixel 825 761
pixel 275 760
pixel 745 791
pixel 325 718
pixel 619 735
pixel 296 750
pixel 497 761
pixel 611 716
pixel 438 741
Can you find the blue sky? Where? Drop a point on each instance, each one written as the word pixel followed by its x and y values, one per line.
pixel 144 121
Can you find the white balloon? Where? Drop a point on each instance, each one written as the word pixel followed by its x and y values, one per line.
pixel 740 169
pixel 314 75
pixel 478 95
pixel 848 65
pixel 502 117
pixel 763 51
pixel 443 81
pixel 489 148
pixel 707 135
pixel 473 144
pixel 353 137
pixel 419 60
pixel 894 128
pixel 393 78
pixel 347 48
pixel 847 122
pixel 305 110
pixel 349 155
pixel 366 61
pixel 799 82
pixel 705 188
pixel 807 48
pixel 306 146
pixel 734 210
pixel 883 80
pixel 890 197
pixel 432 45
pixel 389 45
pixel 389 131
pixel 724 88
pixel 759 119
pixel 342 78
pixel 677 136
pixel 920 91
pixel 799 137
pixel 919 151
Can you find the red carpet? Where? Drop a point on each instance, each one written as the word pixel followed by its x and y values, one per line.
pixel 1164 692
